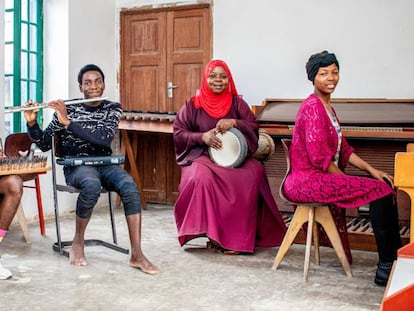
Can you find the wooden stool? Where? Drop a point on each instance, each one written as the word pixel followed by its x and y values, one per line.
pixel 312 213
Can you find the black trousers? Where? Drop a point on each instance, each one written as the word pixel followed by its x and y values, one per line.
pixel 386 227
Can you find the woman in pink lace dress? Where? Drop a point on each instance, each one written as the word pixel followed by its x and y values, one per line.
pixel 232 207
pixel 319 154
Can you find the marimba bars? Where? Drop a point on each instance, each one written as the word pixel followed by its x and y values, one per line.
pixel 23 165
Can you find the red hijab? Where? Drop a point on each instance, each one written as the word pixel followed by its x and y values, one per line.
pixel 216 105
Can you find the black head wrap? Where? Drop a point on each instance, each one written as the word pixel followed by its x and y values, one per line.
pixel 322 59
pixel 89 67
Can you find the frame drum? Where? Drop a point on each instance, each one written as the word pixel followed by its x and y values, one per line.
pixel 234 149
pixel 265 148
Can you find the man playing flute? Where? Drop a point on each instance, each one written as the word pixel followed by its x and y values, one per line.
pixel 88 129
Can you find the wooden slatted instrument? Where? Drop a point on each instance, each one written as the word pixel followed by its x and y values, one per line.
pixel 23 165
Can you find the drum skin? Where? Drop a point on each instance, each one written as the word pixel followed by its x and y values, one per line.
pixel 265 149
pixel 234 150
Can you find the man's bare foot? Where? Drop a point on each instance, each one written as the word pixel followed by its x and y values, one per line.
pixel 144 264
pixel 77 255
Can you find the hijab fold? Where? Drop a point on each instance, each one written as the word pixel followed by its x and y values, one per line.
pixel 215 105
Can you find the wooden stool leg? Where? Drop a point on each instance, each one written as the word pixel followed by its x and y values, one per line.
pixel 324 217
pixel 311 224
pixel 299 218
pixel 23 224
pixel 316 242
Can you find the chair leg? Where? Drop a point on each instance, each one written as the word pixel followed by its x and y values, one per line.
pixel 111 213
pixel 315 235
pixel 58 247
pixel 299 218
pixel 23 224
pixel 40 207
pixel 311 225
pixel 324 217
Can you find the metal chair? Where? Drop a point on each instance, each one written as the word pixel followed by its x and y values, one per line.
pixel 312 213
pixel 13 146
pixel 59 245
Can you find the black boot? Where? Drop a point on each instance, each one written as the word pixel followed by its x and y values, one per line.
pixel 385 224
pixel 383 273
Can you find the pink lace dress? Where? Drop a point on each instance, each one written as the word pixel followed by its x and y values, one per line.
pixel 314 146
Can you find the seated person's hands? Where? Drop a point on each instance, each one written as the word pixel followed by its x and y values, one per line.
pixel 31 115
pixel 60 109
pixel 211 140
pixel 383 176
pixel 224 124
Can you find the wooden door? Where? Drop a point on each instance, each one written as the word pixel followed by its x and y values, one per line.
pixel 161 47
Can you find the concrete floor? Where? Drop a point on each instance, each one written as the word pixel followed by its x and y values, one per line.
pixel 191 278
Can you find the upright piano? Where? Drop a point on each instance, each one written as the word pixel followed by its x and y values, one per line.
pixel 376 128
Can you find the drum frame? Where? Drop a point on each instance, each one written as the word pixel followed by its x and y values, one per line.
pixel 242 152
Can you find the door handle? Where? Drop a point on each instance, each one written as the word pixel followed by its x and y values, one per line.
pixel 170 88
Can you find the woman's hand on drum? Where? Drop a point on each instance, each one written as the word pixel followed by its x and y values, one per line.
pixel 211 140
pixel 224 124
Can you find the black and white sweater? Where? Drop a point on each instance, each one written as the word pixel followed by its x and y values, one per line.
pixel 89 133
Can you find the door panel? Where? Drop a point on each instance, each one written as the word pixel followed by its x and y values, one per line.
pixel 153 175
pixel 141 92
pixel 143 61
pixel 188 50
pixel 186 77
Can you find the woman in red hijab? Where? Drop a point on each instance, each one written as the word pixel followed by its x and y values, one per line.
pixel 232 207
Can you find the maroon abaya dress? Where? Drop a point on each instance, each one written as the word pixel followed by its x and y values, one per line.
pixel 232 206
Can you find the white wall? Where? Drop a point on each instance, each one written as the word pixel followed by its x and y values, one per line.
pixel 265 42
pixel 268 44
pixel 92 39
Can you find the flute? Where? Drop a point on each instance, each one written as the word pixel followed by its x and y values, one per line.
pixel 45 105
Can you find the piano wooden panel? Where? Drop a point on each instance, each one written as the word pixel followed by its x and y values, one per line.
pixel 376 128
